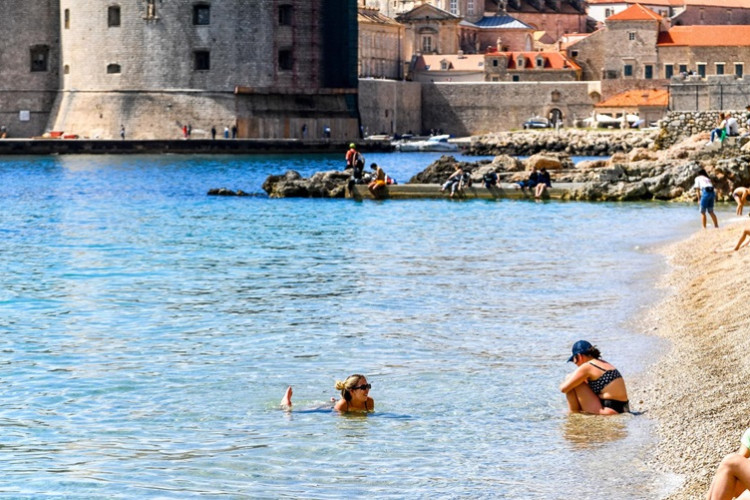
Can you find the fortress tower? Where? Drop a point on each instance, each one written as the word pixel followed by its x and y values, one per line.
pixel 273 68
pixel 29 62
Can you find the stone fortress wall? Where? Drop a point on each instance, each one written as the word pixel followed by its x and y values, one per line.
pixel 26 93
pixel 154 66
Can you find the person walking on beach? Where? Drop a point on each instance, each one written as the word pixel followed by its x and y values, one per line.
pixel 355 395
pixel 740 196
pixel 706 195
pixel 732 478
pixel 596 386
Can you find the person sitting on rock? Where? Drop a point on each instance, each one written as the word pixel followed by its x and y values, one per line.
pixel 379 182
pixel 490 180
pixel 454 180
pixel 720 130
pixel 543 183
pixel 531 182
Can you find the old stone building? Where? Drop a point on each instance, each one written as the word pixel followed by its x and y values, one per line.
pixel 680 12
pixel 29 65
pixel 380 45
pixel 272 69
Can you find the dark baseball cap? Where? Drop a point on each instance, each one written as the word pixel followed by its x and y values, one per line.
pixel 580 347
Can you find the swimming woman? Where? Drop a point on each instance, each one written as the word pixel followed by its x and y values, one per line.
pixel 596 386
pixel 355 395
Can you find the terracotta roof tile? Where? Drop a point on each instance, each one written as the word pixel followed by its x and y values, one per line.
pixel 635 12
pixel 706 36
pixel 636 98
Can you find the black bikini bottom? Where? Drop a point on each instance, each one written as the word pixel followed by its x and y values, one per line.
pixel 618 406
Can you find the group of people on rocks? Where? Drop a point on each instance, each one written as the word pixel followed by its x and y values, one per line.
pixel 356 162
pixel 728 126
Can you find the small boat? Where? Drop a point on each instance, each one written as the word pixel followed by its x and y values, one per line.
pixel 437 143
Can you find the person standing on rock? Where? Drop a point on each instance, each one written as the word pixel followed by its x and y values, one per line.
pixel 706 196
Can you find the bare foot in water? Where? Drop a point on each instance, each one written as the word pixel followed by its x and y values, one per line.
pixel 287 399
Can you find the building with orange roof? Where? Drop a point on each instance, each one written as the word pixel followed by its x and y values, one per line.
pixel 496 67
pixel 704 50
pixel 679 12
pixel 650 105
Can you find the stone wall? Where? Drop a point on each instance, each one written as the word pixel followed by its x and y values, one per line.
pixel 388 107
pixel 678 125
pixel 27 26
pixel 713 93
pixel 464 109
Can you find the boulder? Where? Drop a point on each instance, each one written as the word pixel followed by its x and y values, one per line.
pixel 331 184
pixel 550 161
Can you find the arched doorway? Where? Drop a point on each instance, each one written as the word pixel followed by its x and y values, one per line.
pixel 555 116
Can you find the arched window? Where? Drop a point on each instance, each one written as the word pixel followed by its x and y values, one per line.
pixel 113 69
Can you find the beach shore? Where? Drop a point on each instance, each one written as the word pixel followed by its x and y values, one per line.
pixel 698 392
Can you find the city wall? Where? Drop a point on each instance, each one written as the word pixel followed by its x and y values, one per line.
pixel 464 109
pixel 678 125
pixel 694 93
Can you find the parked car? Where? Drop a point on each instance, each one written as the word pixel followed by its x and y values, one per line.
pixel 537 122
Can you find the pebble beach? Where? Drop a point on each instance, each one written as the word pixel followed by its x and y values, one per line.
pixel 698 391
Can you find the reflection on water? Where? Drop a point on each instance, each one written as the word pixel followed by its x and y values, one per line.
pixel 584 431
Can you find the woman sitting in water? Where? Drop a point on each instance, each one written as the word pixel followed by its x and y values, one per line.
pixel 354 395
pixel 732 479
pixel 596 386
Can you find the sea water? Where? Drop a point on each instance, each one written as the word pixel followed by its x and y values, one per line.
pixel 149 332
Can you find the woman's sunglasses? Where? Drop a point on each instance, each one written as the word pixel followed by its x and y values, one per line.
pixel 363 387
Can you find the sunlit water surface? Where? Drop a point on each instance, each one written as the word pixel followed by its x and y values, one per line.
pixel 149 332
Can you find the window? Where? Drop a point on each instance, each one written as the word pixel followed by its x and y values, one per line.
pixel 427 43
pixel 286 61
pixel 608 12
pixel 470 7
pixel 495 78
pixel 738 70
pixel 573 53
pixel 150 9
pixel 454 7
pixel 66 69
pixel 39 56
pixel 445 65
pixel 683 68
pixel 285 15
pixel 719 68
pixel 113 16
pixel 113 69
pixel 648 71
pixel 627 70
pixel 494 63
pixel 516 78
pixel 539 62
pixel 202 14
pixel 668 71
pixel 66 18
pixel 202 60
pixel 520 62
pixel 702 70
pixel 631 36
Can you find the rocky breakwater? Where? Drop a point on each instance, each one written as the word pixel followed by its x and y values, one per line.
pixel 330 184
pixel 574 142
pixel 641 174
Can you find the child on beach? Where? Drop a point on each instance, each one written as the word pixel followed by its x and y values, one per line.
pixel 732 479
pixel 595 387
pixel 355 395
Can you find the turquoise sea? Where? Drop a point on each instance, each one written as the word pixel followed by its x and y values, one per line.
pixel 149 332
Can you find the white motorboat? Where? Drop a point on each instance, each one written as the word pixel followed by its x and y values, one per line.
pixel 436 143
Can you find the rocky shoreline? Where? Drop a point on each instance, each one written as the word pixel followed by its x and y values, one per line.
pixel 636 170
